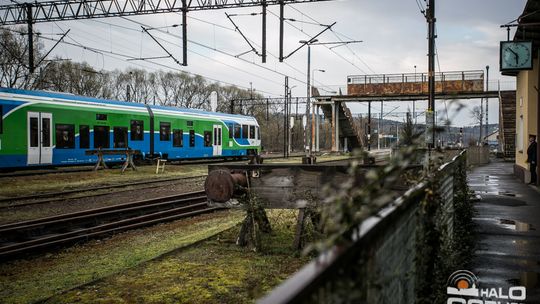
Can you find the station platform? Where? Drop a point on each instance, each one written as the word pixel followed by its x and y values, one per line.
pixel 507 223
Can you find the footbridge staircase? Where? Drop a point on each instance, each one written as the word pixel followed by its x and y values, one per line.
pixel 507 123
pixel 350 135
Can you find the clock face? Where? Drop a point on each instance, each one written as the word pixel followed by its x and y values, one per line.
pixel 516 55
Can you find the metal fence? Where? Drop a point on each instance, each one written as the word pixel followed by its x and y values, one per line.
pixel 396 257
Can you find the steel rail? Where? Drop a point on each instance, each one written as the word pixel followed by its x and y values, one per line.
pixel 56 196
pixel 32 236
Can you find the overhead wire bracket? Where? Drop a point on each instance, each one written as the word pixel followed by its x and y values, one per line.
pixel 310 39
pixel 166 51
pixel 243 36
pixel 54 46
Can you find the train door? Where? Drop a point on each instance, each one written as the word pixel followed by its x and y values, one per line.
pixel 217 145
pixel 39 138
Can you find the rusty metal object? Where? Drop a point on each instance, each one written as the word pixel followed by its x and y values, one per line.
pixel 220 185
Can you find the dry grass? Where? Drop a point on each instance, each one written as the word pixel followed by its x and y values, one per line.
pixel 34 279
pixel 155 266
pixel 215 271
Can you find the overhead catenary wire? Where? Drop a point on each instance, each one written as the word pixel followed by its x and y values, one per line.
pixel 337 34
pixel 221 52
pixel 112 54
pixel 207 57
pixel 332 50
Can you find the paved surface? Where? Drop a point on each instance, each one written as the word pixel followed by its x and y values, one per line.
pixel 508 225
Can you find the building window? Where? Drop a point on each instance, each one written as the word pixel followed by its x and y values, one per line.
pixel 520 134
pixel 237 131
pixel 192 138
pixel 84 137
pixel 101 116
pixel 164 131
pixel 178 140
pixel 245 130
pixel 65 136
pixel 120 137
pixel 137 130
pixel 101 137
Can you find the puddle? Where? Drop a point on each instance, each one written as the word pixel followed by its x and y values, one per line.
pixel 516 225
pixel 501 193
pixel 501 200
pixel 527 279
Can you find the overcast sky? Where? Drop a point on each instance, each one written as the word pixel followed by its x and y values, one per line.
pixel 393 34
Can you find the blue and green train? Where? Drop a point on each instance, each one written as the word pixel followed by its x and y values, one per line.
pixel 39 128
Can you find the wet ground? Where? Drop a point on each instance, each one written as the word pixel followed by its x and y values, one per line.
pixel 508 224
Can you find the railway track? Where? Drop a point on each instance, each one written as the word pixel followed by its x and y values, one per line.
pixel 42 198
pixel 29 237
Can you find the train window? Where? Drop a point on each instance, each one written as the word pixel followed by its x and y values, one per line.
pixel 192 138
pixel 137 130
pixel 65 136
pixel 84 137
pixel 207 138
pixel 46 132
pixel 245 130
pixel 1 120
pixel 190 123
pixel 120 137
pixel 101 116
pixel 252 132
pixel 258 133
pixel 231 130
pixel 237 131
pixel 101 137
pixel 34 131
pixel 164 131
pixel 178 140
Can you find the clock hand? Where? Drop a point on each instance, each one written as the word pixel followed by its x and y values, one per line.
pixel 516 56
pixel 513 52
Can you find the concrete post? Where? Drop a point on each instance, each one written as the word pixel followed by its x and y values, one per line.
pixel 317 129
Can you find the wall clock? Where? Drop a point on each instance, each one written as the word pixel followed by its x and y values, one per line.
pixel 516 55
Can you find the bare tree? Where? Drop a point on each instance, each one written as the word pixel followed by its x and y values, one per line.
pixel 14 61
pixel 478 115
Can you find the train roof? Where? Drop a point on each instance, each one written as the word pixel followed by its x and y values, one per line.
pixel 72 97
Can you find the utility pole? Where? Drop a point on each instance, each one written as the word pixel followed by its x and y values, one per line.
pixel 487 102
pixel 379 128
pixel 30 38
pixel 368 127
pixel 285 118
pixel 308 101
pixel 430 114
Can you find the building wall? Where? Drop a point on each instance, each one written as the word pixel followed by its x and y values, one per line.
pixel 526 117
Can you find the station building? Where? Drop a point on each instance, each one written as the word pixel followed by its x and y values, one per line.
pixel 527 110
